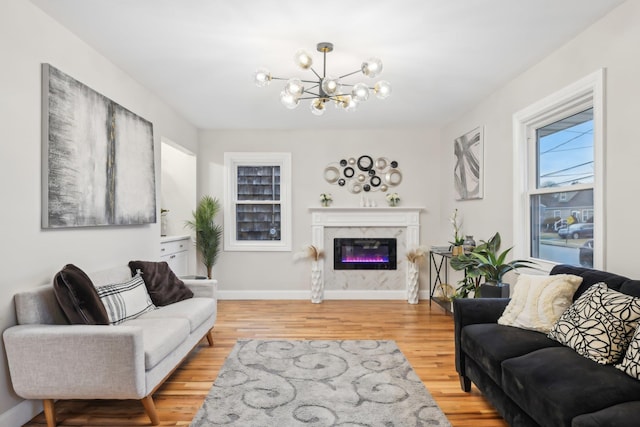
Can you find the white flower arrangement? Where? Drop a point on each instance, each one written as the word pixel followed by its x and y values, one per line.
pixel 393 199
pixel 325 197
pixel 457 234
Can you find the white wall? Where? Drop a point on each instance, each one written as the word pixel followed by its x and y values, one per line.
pixel 610 43
pixel 29 255
pixel 178 191
pixel 417 152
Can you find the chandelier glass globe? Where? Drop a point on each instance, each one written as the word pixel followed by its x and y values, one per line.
pixel 382 89
pixel 372 67
pixel 317 107
pixel 262 77
pixel 303 59
pixel 294 87
pixel 288 100
pixel 360 92
pixel 350 104
pixel 330 85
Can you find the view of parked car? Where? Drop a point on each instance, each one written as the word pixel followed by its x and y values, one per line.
pixel 585 254
pixel 576 231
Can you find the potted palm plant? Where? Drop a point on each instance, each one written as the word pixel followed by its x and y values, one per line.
pixel 485 262
pixel 208 233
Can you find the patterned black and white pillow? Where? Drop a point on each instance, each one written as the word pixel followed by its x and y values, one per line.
pixel 125 301
pixel 599 325
pixel 631 362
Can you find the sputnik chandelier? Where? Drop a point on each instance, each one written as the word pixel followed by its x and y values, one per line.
pixel 326 87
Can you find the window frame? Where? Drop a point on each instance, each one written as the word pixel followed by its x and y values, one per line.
pixel 231 162
pixel 587 92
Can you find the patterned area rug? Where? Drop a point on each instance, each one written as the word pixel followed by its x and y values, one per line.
pixel 320 384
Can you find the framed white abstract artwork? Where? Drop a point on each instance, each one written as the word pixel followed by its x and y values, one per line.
pixel 97 160
pixel 468 168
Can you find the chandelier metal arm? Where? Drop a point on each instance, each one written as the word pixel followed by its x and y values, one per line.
pixel 350 74
pixel 314 72
pixel 288 78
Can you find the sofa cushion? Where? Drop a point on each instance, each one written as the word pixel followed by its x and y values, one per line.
pixel 631 287
pixel 489 344
pixel 554 385
pixel 78 297
pixel 622 415
pixel 599 325
pixel 125 301
pixel 538 301
pixel 590 277
pixel 163 285
pixel 160 337
pixel 195 310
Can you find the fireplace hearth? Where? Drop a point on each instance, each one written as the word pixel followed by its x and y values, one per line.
pixel 364 254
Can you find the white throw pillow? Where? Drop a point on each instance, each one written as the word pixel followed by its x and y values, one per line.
pixel 539 301
pixel 124 301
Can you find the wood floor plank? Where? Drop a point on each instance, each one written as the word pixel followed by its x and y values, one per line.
pixel 424 333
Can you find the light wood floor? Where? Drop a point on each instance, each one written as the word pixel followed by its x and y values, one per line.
pixel 424 334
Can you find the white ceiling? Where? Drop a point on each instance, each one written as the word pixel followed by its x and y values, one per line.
pixel 440 56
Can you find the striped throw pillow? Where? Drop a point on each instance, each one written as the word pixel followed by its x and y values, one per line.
pixel 125 301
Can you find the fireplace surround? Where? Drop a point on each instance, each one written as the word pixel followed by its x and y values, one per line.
pixel 402 223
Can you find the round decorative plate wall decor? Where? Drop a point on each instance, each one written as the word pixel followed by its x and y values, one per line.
pixel 363 173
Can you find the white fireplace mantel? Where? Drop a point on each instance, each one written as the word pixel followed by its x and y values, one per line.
pixel 404 217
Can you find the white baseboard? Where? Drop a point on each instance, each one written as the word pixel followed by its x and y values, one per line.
pixel 306 295
pixel 21 413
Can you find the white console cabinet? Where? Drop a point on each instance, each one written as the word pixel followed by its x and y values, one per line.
pixel 175 251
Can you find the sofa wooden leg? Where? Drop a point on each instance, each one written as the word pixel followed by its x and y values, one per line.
pixel 465 383
pixel 49 412
pixel 210 337
pixel 150 409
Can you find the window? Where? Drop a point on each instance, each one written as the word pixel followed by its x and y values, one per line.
pixel 559 181
pixel 257 214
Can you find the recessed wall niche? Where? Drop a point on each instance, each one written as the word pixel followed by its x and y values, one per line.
pixel 364 173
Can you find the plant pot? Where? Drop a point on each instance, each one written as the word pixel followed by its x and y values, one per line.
pixel 457 250
pixel 495 290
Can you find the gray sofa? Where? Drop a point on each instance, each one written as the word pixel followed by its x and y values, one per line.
pixel 51 359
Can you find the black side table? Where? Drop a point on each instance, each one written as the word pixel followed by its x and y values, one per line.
pixel 438 276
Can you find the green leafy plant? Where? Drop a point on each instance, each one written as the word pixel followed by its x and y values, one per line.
pixel 208 233
pixel 485 262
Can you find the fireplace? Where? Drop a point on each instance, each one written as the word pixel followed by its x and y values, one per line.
pixel 364 254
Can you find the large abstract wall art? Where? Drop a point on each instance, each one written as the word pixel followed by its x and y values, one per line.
pixel 468 150
pixel 98 158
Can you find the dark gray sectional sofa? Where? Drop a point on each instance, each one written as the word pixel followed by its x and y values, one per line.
pixel 535 381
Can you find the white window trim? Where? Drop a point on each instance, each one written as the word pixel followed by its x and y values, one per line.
pixel 588 90
pixel 231 162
